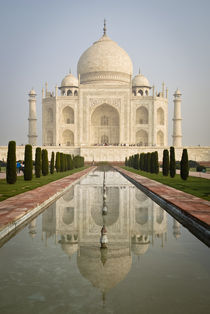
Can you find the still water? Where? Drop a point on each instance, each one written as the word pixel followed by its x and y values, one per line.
pixel 151 265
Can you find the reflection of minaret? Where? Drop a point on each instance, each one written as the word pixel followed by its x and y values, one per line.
pixel 176 229
pixel 32 228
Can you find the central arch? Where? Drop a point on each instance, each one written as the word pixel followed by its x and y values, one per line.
pixel 105 126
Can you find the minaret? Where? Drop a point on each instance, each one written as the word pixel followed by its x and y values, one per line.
pixel 177 120
pixel 32 137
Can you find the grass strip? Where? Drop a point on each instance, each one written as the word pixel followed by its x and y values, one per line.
pixel 199 187
pixel 21 186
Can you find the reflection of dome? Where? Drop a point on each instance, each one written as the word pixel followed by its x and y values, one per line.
pixel 69 81
pixel 117 266
pixel 69 248
pixel 140 81
pixel 105 61
pixel 139 248
pixel 139 244
pixel 68 215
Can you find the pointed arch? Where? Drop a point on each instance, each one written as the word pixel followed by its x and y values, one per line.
pixel 160 116
pixel 142 115
pixel 142 138
pixel 68 115
pixel 68 138
pixel 49 115
pixel 160 138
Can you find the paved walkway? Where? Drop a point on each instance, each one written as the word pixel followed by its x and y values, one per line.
pixel 14 209
pixel 190 205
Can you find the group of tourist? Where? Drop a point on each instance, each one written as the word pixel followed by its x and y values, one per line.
pixel 20 166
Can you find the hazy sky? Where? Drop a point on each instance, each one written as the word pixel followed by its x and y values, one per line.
pixel 41 39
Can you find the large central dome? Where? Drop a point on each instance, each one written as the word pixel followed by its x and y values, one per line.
pixel 105 61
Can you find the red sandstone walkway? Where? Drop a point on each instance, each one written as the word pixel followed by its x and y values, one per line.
pixel 16 207
pixel 187 203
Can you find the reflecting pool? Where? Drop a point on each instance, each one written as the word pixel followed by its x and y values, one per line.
pixel 150 263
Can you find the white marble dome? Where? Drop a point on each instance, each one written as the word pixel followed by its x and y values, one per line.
pixel 69 81
pixel 140 81
pixel 105 61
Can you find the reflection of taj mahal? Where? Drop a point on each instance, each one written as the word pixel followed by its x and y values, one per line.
pixel 134 222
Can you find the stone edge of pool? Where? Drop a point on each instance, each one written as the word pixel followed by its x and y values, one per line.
pixel 17 210
pixel 191 211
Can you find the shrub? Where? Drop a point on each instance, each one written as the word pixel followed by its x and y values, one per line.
pixel 57 162
pixel 52 163
pixel 165 162
pixel 28 170
pixel 11 174
pixel 184 167
pixel 38 162
pixel 172 162
pixel 71 163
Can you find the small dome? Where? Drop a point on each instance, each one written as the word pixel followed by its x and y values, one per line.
pixel 32 92
pixel 140 81
pixel 105 60
pixel 177 92
pixel 69 81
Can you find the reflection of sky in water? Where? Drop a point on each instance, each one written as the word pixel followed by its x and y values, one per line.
pixel 151 263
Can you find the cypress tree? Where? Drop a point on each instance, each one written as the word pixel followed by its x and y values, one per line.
pixel 184 166
pixel 45 162
pixel 52 163
pixel 57 162
pixel 11 174
pixel 71 163
pixel 156 166
pixel 172 162
pixel 38 162
pixel 165 162
pixel 28 170
pixel 152 162
pixel 148 162
pixel 126 161
pixel 145 162
pixel 61 162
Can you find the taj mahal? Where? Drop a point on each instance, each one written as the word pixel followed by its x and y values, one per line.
pixel 106 113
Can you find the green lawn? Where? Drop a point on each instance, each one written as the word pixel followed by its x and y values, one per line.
pixel 196 186
pixel 21 186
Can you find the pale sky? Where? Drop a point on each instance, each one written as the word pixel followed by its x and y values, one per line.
pixel 41 39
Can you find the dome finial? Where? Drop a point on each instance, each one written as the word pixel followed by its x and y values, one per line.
pixel 104 29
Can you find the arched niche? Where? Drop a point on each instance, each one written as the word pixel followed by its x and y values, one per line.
pixel 49 115
pixel 49 138
pixel 142 138
pixel 160 138
pixel 69 92
pixel 68 138
pixel 68 215
pixel 160 116
pixel 142 115
pixel 141 215
pixel 159 215
pixel 68 115
pixel 105 123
